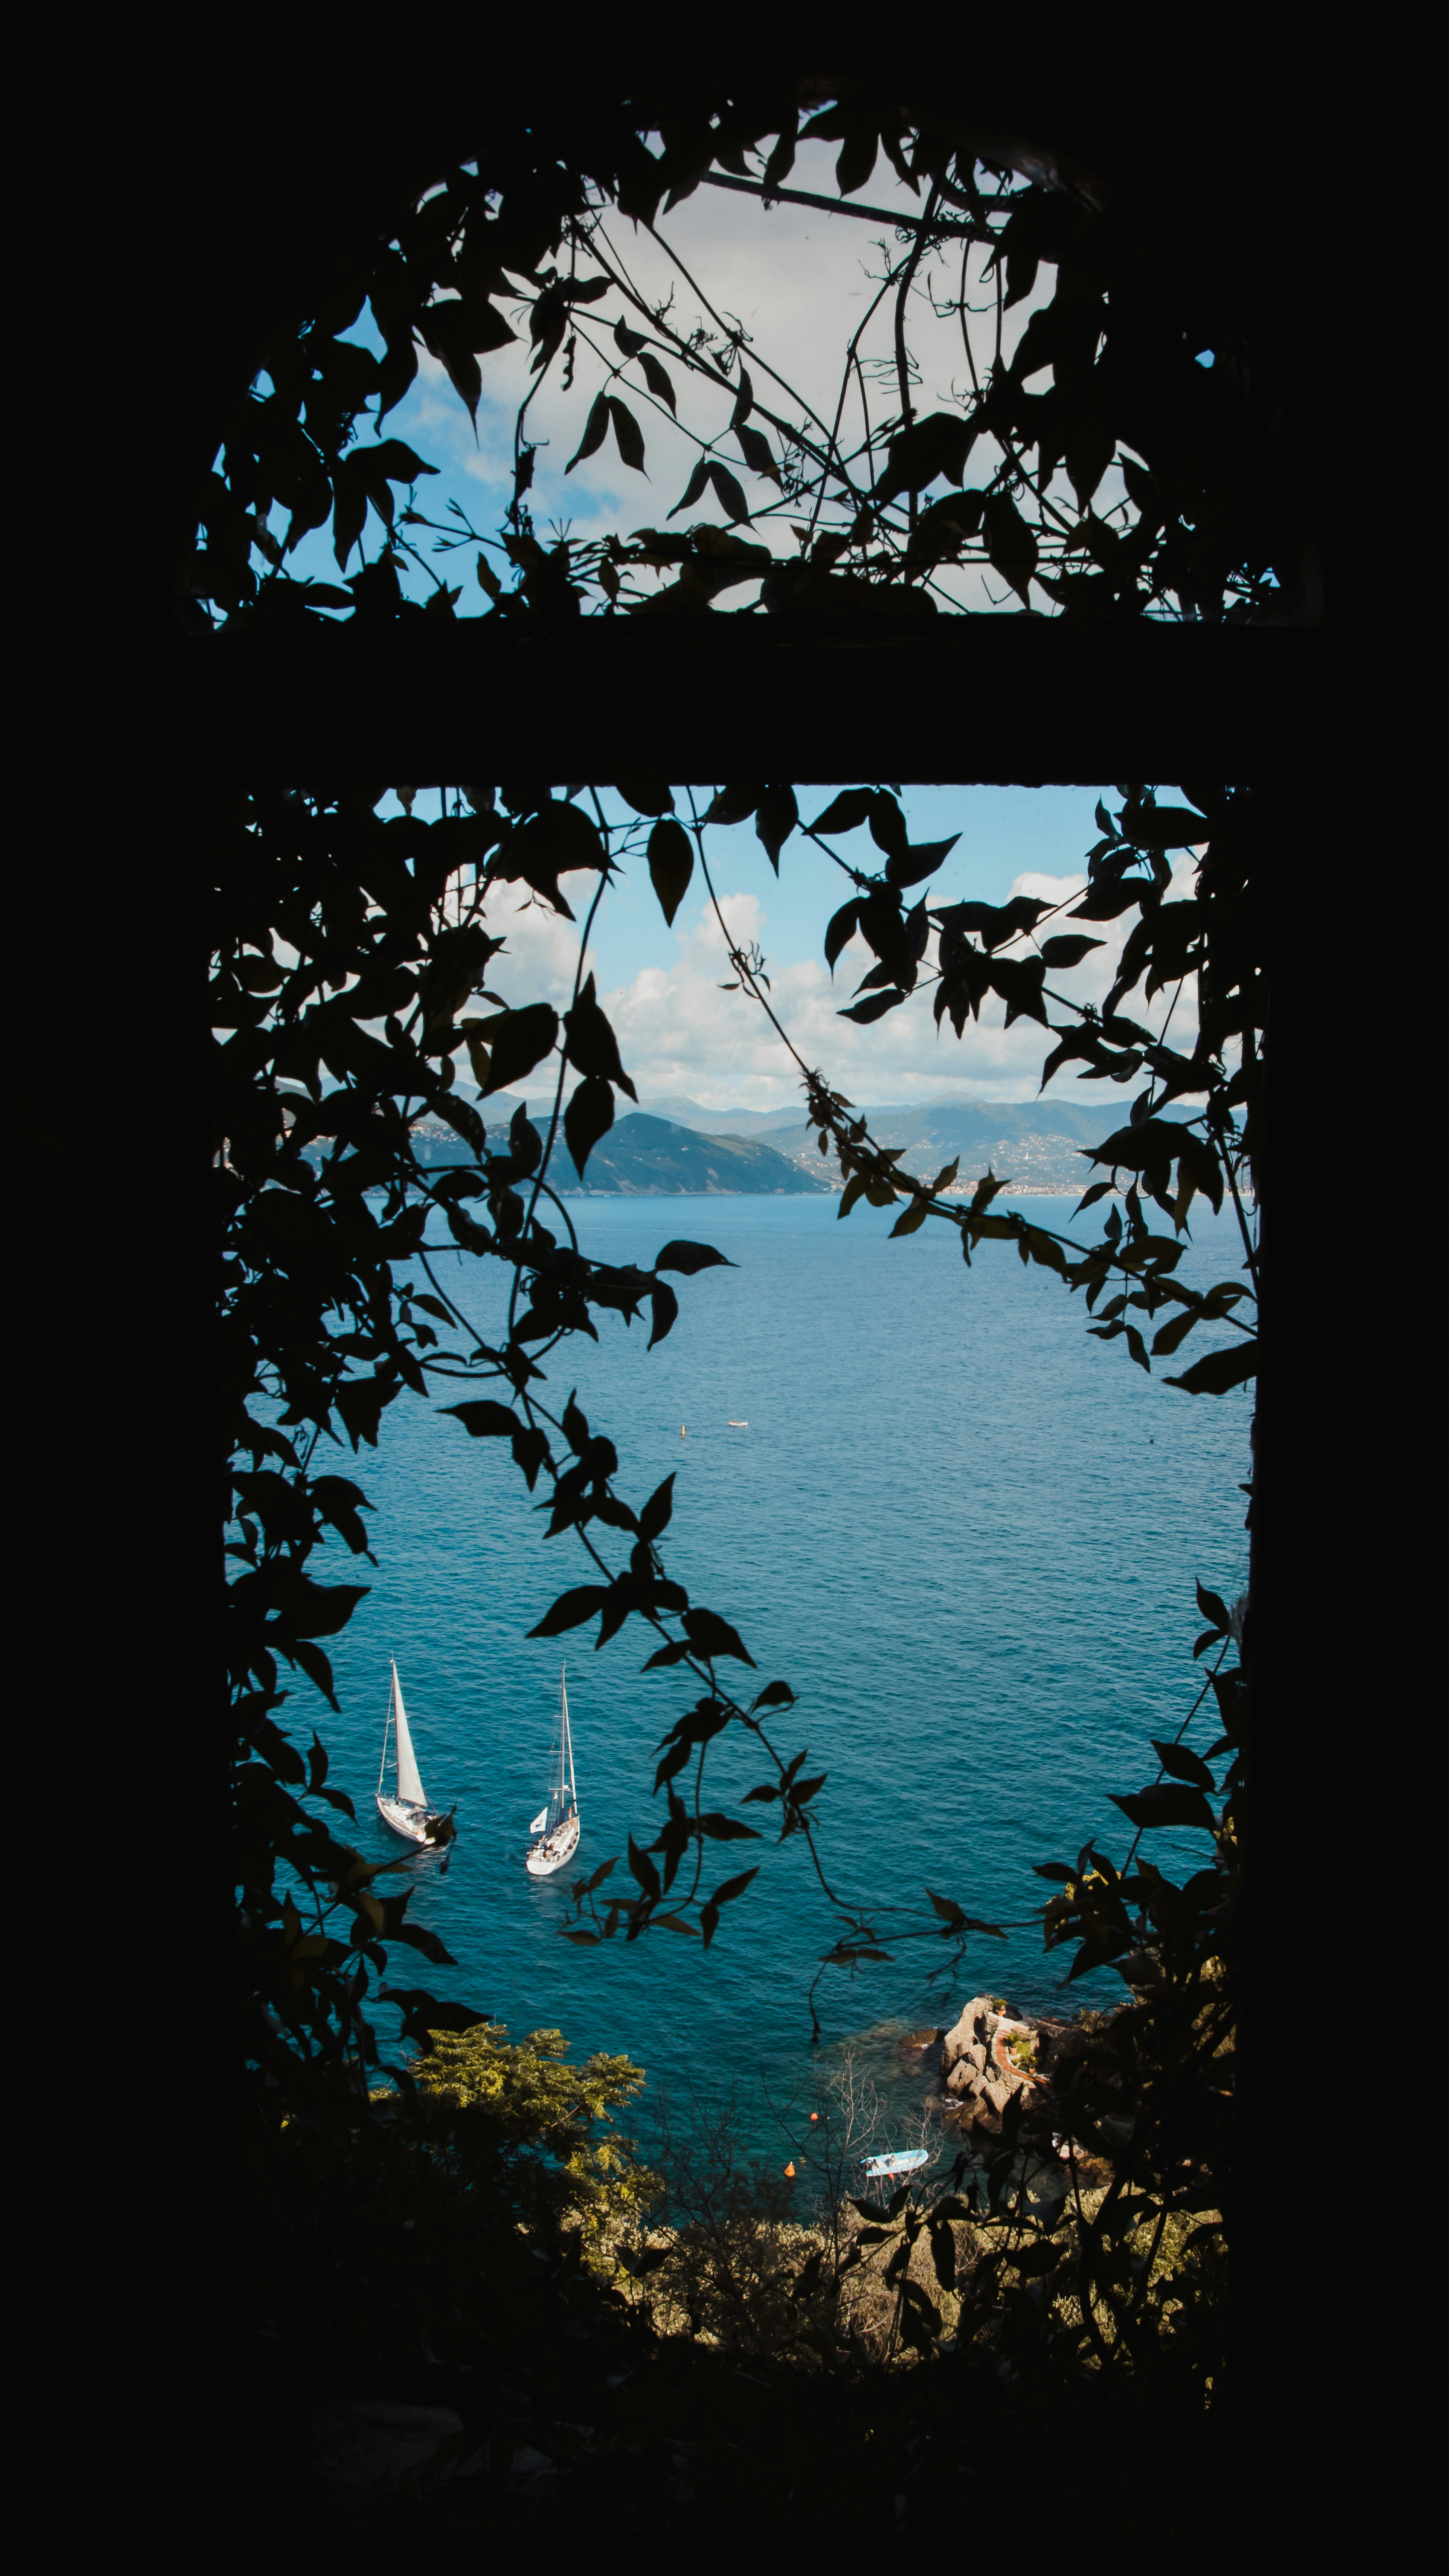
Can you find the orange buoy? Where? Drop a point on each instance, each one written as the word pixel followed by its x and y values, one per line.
pixel 789 2173
pixel 814 2115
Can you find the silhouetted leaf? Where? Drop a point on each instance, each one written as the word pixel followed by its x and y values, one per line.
pixel 664 1306
pixel 530 1451
pixel 549 844
pixel 1219 1371
pixel 423 2013
pixel 1168 1806
pixel 648 794
pixel 938 445
pixel 912 864
pixel 588 1116
pixel 758 454
pixel 1066 950
pixel 1213 1607
pixel 1184 1764
pixel 733 804
pixel 596 430
pixel 728 492
pixel 484 1419
pixel 694 488
pixel 656 380
pixel 571 1610
pixel 690 1258
pixel 644 1870
pixel 941 531
pixel 912 1216
pixel 995 924
pixel 1107 902
pixel 1168 1339
pixel 1164 827
pixel 655 1516
pixel 874 1007
pixel 592 1045
pixel 628 432
pixel 725 1894
pixel 775 819
pixel 841 930
pixel 517 1041
pixel 671 865
pixel 710 1635
pixel 845 811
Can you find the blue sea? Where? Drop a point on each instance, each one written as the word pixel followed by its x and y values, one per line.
pixel 966 1534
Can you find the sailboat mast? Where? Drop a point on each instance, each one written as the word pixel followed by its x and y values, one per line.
pixel 568 1748
pixel 387 1728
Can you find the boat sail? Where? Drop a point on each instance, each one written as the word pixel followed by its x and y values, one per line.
pixel 408 1813
pixel 556 1826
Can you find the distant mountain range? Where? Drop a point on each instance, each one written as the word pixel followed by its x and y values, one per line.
pixel 1036 1144
pixel 647 1157
pixel 720 1122
pixel 1031 1145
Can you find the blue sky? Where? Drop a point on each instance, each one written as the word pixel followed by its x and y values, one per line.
pixel 681 1032
pixel 1005 832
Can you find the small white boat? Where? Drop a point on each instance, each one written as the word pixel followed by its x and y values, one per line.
pixel 736 1426
pixel 556 1826
pixel 908 2160
pixel 408 1813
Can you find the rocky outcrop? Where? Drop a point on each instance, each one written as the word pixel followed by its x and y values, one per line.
pixel 992 2055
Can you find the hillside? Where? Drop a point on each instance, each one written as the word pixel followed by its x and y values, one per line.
pixel 1036 1145
pixel 1033 1145
pixel 645 1157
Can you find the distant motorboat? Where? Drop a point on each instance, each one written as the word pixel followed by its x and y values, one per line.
pixel 907 2160
pixel 408 1812
pixel 732 1425
pixel 557 1824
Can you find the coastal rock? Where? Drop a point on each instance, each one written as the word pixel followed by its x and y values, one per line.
pixel 922 2047
pixel 989 2057
pixel 970 2037
pixel 967 2071
pixel 995 2060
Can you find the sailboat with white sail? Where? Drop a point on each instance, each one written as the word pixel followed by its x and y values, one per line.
pixel 556 1826
pixel 408 1812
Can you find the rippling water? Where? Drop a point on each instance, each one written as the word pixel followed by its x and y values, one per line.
pixel 964 1532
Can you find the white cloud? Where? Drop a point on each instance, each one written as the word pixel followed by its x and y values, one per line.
pixel 541 951
pixel 679 1032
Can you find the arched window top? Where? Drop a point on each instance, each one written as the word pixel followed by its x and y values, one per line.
pixel 802 359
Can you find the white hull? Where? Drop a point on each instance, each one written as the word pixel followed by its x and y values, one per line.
pixel 552 1851
pixel 411 1822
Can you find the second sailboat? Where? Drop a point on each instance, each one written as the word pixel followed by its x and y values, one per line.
pixel 556 1826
